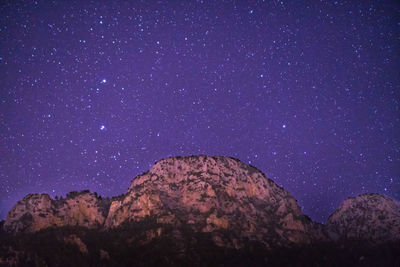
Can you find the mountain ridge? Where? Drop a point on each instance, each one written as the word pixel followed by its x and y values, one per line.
pixel 196 200
pixel 90 210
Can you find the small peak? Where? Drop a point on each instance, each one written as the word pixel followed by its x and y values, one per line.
pixel 368 197
pixel 367 216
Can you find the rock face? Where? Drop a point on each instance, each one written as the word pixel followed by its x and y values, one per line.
pixel 367 217
pixel 214 194
pixel 39 211
pixel 230 201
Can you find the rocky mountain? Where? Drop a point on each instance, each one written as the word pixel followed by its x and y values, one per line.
pixel 214 193
pixel 39 211
pixel 195 209
pixel 207 193
pixel 367 216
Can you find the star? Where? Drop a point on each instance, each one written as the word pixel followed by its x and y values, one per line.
pixel 228 84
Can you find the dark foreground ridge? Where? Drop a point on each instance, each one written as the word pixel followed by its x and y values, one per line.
pixel 198 211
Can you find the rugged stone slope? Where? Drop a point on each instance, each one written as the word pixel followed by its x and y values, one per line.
pixel 235 203
pixel 210 194
pixel 39 211
pixel 214 193
pixel 367 216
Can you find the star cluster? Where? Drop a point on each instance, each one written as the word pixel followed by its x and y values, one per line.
pixel 93 92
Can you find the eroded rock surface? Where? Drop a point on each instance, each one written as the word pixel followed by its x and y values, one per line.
pixel 219 196
pixel 367 216
pixel 212 194
pixel 39 211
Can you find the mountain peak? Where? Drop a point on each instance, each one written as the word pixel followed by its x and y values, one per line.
pixel 213 193
pixel 39 211
pixel 223 196
pixel 368 216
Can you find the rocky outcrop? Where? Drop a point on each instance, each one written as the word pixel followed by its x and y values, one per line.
pixel 366 217
pixel 222 197
pixel 214 194
pixel 39 211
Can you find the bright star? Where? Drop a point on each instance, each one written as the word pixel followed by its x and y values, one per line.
pixel 284 126
pixel 102 127
pixel 103 81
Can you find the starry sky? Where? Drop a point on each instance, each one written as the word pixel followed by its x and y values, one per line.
pixel 92 93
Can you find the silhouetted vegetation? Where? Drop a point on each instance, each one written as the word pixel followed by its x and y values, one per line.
pixel 148 243
pixel 74 194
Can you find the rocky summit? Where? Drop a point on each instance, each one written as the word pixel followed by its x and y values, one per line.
pixel 367 216
pixel 206 193
pixel 39 211
pixel 195 210
pixel 214 193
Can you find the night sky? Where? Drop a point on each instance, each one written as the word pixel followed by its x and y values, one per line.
pixel 92 93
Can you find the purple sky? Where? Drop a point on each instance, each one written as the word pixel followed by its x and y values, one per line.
pixel 92 93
